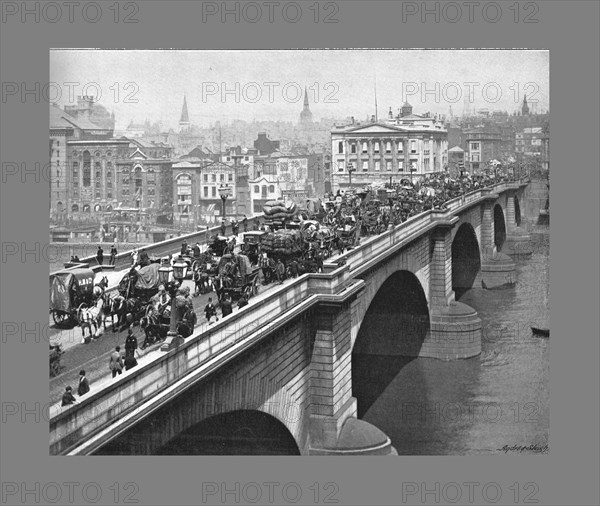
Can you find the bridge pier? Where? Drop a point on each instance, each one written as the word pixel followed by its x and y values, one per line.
pixel 334 428
pixel 518 241
pixel 498 270
pixel 455 328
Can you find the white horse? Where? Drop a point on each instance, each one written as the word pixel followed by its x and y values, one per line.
pixel 89 317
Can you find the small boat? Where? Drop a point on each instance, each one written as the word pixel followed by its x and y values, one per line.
pixel 540 332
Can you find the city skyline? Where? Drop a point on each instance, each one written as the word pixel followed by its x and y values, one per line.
pixel 270 85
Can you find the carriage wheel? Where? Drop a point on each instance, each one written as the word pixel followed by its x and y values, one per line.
pixel 61 319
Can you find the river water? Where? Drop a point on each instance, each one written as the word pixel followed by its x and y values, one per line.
pixel 491 404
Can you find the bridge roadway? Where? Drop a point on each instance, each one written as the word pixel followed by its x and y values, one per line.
pixel 115 406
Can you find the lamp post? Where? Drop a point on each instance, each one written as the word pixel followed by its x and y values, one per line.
pixel 172 277
pixel 224 193
pixel 350 171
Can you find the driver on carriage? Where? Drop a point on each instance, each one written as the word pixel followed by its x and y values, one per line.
pixel 161 300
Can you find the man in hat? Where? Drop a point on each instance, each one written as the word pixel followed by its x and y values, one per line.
pixel 113 255
pixel 210 310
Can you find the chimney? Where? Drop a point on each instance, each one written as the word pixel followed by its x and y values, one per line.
pixel 84 106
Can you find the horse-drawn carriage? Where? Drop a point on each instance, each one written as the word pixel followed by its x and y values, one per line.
pixel 236 276
pixel 136 289
pixel 156 322
pixel 70 291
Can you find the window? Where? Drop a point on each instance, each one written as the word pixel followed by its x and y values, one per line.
pixel 388 165
pixel 58 152
pixel 58 143
pixel 400 147
pixel 109 174
pixel 87 169
pixel 400 165
pixel 205 178
pixel 109 153
pixel 97 194
pixel 272 189
pixel 340 165
pixel 388 147
pixel 214 191
pixel 230 177
pixel 413 147
pixel 109 196
pixel 97 154
pixel 474 146
pixel 377 165
pixel 206 191
pixel 222 178
pixel 98 174
pixel 353 148
pixel 151 191
pixel 109 184
pixel 151 177
pixel 213 178
pixel 365 166
pixel 264 191
pixel 340 147
pixel 97 184
pixel 228 158
pixel 364 147
pixel 256 189
pixel 377 147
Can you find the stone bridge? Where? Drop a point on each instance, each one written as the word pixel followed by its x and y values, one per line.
pixel 280 371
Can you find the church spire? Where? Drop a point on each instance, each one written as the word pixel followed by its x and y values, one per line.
pixel 184 122
pixel 525 108
pixel 305 115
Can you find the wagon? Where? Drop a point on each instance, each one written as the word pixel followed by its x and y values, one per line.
pixel 69 291
pixel 244 283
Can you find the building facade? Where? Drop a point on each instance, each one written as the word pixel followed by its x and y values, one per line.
pixel 196 191
pixel 378 151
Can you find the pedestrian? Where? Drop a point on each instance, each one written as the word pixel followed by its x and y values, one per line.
pixel 226 306
pixel 279 270
pixel 100 255
pixel 245 223
pixel 134 257
pixel 113 254
pixel 184 247
pixel 223 227
pixel 116 362
pixel 210 310
pixel 196 250
pixel 68 397
pixel 243 301
pixel 131 343
pixel 144 259
pixel 235 227
pixel 84 385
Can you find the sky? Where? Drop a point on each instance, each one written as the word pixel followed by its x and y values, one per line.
pixel 268 84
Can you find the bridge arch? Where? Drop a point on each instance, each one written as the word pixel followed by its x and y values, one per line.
pixel 391 335
pixel 466 259
pixel 240 432
pixel 499 227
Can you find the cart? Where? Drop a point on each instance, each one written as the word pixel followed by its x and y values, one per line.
pixel 251 244
pixel 244 282
pixel 69 291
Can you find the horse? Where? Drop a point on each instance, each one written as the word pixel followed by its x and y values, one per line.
pixel 113 309
pixel 202 282
pixel 102 284
pixel 89 317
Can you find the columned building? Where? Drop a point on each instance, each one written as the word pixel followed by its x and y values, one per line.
pixel 403 146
